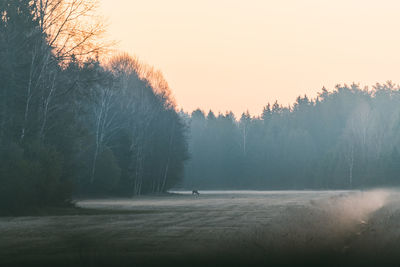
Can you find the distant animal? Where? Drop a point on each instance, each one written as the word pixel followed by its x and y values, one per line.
pixel 195 192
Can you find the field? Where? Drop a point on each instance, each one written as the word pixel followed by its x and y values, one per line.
pixel 230 228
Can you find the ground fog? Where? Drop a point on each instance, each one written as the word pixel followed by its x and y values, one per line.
pixel 217 227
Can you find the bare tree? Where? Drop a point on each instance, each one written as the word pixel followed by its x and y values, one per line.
pixel 170 147
pixel 67 29
pixel 143 113
pixel 39 63
pixel 146 94
pixel 72 27
pixel 106 124
pixel 356 136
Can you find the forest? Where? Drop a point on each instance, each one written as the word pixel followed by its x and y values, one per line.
pixel 79 121
pixel 346 138
pixel 101 166
pixel 74 123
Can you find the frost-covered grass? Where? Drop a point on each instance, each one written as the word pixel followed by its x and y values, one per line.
pixel 232 228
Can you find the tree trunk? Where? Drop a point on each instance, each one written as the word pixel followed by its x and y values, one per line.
pixel 137 181
pixel 169 158
pixel 351 165
pixel 28 100
pixel 95 155
pixel 46 109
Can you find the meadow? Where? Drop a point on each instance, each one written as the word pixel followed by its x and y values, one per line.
pixel 231 228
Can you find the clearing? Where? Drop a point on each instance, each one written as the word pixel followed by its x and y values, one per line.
pixel 217 227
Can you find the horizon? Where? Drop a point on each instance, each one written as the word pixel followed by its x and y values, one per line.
pixel 261 52
pixel 104 162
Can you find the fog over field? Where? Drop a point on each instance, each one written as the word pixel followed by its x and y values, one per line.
pixel 217 227
pixel 99 165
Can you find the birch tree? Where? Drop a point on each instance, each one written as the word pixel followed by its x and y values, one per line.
pixel 105 115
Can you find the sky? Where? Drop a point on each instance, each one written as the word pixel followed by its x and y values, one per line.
pixel 239 55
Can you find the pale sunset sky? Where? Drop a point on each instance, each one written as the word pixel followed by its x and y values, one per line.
pixel 239 55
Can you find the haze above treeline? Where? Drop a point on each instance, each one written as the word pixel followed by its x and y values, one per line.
pixel 260 50
pixel 76 121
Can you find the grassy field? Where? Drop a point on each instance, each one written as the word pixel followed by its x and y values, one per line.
pixel 230 228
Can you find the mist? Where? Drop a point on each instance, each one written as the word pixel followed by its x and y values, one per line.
pixel 99 167
pixel 345 138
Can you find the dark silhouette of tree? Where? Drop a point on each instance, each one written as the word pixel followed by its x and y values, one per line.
pixel 73 124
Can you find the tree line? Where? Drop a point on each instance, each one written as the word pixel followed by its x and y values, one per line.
pixel 345 138
pixel 75 123
pixel 72 124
